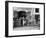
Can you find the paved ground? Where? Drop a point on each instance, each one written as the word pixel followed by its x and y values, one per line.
pixel 35 27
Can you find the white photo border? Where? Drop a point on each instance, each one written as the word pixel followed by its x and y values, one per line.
pixel 9 30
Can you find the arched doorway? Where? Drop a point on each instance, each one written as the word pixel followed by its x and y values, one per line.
pixel 22 16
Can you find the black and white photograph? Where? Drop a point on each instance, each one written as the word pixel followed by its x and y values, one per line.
pixel 24 18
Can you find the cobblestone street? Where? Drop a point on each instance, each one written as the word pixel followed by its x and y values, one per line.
pixel 35 27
